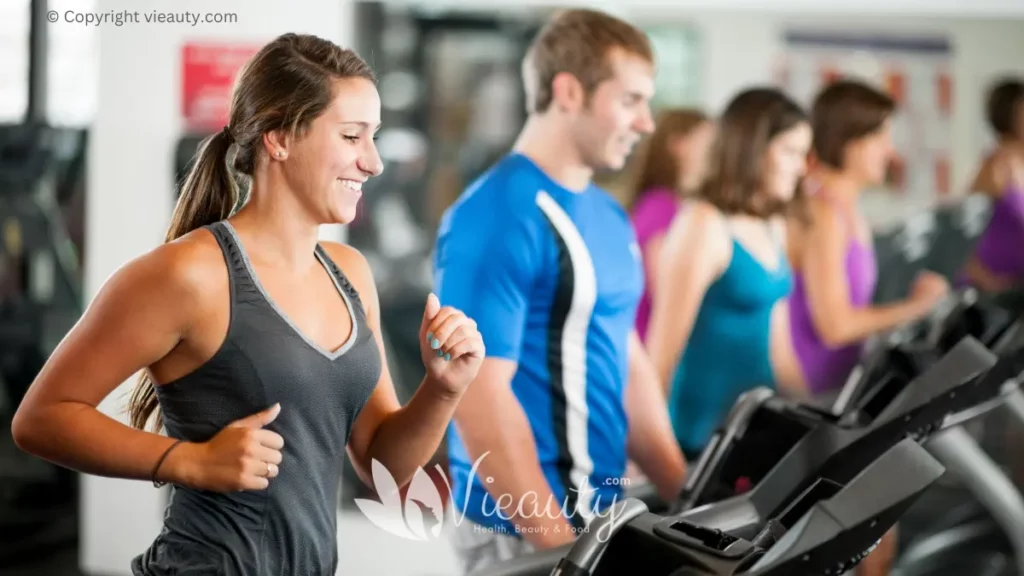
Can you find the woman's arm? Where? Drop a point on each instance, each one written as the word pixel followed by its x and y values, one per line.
pixel 652 218
pixel 692 257
pixel 823 257
pixel 139 315
pixel 984 179
pixel 1000 171
pixel 401 438
pixel 984 279
pixel 652 256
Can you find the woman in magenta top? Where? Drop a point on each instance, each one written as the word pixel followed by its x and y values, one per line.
pixel 998 260
pixel 831 311
pixel 671 167
pixel 831 252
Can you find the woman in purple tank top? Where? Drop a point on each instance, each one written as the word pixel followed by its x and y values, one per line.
pixel 671 166
pixel 831 253
pixel 998 261
pixel 831 313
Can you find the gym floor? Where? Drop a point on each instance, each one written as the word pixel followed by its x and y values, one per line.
pixel 63 562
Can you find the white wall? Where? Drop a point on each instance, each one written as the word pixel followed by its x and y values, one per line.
pixel 130 197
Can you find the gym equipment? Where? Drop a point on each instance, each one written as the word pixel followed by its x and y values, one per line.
pixel 742 452
pixel 827 529
pixel 770 450
pixel 40 296
pixel 983 534
pixel 767 445
pixel 902 254
pixel 958 226
pixel 40 300
pixel 996 323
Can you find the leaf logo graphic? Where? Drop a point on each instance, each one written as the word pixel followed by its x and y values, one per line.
pixel 406 521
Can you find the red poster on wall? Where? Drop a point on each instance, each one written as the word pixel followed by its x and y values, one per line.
pixel 830 74
pixel 945 93
pixel 207 77
pixel 942 185
pixel 896 85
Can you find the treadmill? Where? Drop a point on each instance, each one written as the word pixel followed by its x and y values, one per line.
pixel 759 431
pixel 807 449
pixel 824 530
pixel 743 449
pixel 998 322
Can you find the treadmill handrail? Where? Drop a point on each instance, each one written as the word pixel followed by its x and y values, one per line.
pixel 964 362
pixel 538 563
pixel 582 553
pixel 827 446
pixel 587 549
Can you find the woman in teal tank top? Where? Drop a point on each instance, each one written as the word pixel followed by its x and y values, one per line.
pixel 718 327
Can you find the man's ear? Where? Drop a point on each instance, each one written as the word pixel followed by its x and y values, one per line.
pixel 567 92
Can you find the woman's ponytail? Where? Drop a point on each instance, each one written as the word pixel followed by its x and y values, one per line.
pixel 208 195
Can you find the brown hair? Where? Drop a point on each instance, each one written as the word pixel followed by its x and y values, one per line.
pixel 658 166
pixel 1004 102
pixel 284 87
pixel 736 167
pixel 578 42
pixel 845 111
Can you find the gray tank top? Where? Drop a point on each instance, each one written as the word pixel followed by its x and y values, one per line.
pixel 289 528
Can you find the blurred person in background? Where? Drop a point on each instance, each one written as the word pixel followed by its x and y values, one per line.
pixel 831 246
pixel 997 264
pixel 832 253
pixel 672 164
pixel 718 326
pixel 547 264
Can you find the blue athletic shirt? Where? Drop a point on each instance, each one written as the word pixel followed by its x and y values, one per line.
pixel 553 279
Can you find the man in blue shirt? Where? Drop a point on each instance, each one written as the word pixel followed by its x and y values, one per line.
pixel 547 265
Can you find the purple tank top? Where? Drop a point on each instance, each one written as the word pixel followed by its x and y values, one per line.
pixel 827 368
pixel 999 248
pixel 651 217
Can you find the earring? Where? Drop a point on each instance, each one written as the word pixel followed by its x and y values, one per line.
pixel 279 154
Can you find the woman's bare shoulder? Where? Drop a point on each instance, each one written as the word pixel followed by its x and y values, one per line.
pixel 190 268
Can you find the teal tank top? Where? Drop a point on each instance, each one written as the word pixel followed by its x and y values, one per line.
pixel 727 353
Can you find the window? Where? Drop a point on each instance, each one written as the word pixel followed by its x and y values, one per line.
pixel 676 51
pixel 14 50
pixel 72 69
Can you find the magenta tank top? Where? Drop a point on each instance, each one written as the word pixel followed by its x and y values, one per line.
pixel 827 368
pixel 999 248
pixel 652 215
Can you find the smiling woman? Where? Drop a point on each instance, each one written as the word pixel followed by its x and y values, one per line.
pixel 260 346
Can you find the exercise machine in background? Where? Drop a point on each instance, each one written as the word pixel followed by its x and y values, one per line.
pixel 770 452
pixel 974 522
pixel 825 530
pixel 41 172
